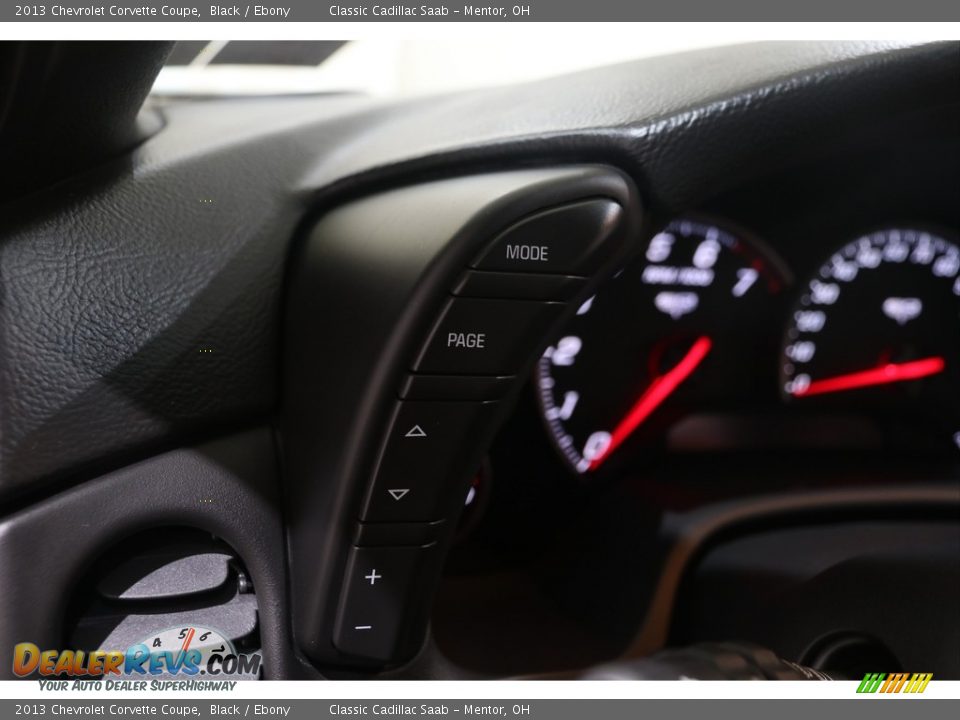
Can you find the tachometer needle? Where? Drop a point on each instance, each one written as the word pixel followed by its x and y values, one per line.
pixel 660 389
pixel 883 375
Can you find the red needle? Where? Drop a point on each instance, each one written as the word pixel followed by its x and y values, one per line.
pixel 185 646
pixel 188 639
pixel 883 375
pixel 660 389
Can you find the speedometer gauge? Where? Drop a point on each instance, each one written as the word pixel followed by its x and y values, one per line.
pixel 678 325
pixel 878 329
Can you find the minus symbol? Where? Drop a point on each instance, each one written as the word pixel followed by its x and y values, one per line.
pixel 363 627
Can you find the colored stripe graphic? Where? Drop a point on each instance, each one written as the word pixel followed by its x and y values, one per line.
pixel 919 682
pixel 871 682
pixel 892 683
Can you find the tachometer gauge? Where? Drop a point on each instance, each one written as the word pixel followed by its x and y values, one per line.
pixel 878 330
pixel 677 325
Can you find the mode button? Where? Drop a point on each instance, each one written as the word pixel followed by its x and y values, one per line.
pixel 569 239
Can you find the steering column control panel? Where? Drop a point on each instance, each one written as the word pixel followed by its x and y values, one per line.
pixel 413 316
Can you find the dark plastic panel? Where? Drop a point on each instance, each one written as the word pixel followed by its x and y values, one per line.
pixel 367 285
pixel 787 589
pixel 228 488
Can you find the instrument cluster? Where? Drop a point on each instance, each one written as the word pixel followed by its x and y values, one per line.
pixel 707 341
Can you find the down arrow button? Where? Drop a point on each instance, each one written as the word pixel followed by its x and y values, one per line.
pixel 432 448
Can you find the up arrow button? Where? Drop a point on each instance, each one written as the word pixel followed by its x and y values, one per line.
pixel 431 450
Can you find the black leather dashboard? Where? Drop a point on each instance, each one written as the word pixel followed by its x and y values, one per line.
pixel 141 300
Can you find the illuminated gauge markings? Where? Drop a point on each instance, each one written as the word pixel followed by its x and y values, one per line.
pixel 662 331
pixel 879 326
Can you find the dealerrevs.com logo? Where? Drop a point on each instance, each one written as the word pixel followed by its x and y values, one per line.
pixel 887 683
pixel 180 651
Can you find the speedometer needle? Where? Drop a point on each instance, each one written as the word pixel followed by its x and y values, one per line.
pixel 883 375
pixel 660 389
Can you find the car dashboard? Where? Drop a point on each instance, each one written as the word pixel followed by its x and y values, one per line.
pixel 790 336
pixel 553 380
